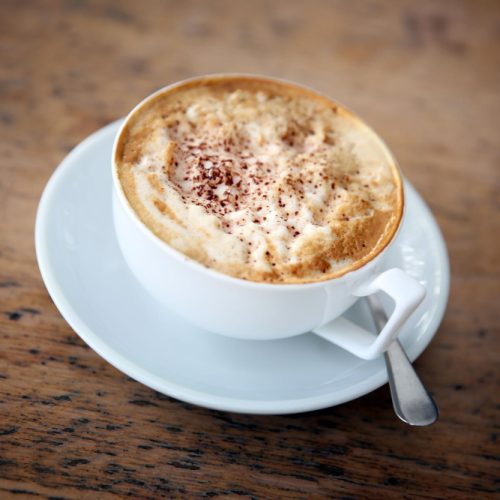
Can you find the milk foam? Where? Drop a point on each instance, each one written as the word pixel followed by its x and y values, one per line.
pixel 259 184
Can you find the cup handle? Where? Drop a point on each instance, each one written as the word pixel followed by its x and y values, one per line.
pixel 407 294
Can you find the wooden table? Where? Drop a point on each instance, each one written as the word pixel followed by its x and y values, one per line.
pixel 425 74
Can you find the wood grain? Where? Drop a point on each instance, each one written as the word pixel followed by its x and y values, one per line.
pixel 426 75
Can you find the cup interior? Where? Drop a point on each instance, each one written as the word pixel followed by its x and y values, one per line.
pixel 280 84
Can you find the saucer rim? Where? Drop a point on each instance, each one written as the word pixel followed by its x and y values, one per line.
pixel 178 391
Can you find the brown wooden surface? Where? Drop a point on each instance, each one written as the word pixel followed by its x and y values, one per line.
pixel 426 75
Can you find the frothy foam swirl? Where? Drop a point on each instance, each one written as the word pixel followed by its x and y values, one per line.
pixel 259 180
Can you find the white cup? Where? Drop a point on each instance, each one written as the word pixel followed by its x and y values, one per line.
pixel 248 310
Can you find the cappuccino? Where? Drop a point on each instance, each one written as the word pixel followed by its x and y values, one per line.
pixel 259 179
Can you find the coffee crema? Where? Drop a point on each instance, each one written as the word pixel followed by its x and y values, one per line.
pixel 259 179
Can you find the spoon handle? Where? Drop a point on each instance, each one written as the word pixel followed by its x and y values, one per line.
pixel 412 403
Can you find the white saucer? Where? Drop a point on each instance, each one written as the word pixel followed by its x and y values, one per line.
pixel 93 289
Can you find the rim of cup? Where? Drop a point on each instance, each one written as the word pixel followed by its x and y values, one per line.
pixel 184 259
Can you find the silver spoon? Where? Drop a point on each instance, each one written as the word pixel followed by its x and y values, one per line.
pixel 412 403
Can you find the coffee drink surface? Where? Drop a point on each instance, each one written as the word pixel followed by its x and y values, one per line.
pixel 260 179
